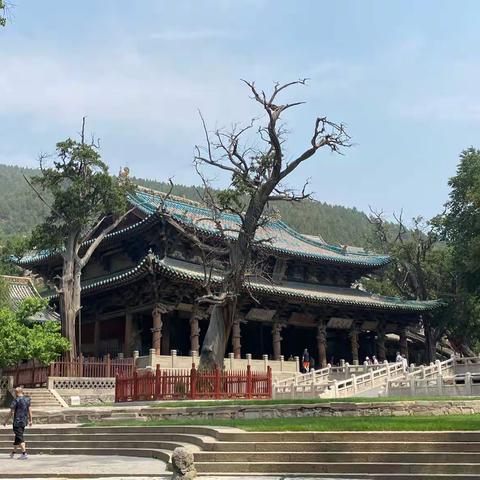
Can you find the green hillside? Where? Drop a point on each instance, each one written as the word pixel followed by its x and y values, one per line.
pixel 21 209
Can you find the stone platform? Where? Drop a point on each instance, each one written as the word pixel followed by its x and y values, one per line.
pixel 238 454
pixel 81 466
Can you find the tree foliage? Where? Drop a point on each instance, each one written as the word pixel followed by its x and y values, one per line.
pixel 3 19
pixel 84 203
pixel 21 340
pixel 460 228
pixel 421 269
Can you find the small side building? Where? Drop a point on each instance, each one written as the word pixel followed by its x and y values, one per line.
pixel 21 288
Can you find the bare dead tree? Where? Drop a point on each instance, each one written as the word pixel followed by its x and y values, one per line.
pixel 258 170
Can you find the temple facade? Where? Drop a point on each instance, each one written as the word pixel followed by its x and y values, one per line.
pixel 140 288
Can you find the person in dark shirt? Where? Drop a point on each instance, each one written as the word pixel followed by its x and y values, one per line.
pixel 22 416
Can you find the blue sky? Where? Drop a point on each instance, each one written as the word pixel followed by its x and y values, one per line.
pixel 403 75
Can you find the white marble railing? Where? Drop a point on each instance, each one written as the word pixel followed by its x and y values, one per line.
pixel 368 381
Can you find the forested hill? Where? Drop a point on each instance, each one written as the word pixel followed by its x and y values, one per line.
pixel 20 210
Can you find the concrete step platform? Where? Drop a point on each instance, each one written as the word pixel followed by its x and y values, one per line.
pixel 342 446
pixel 340 468
pixel 158 454
pixel 339 457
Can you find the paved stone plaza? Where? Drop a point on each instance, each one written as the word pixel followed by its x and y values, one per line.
pixel 104 467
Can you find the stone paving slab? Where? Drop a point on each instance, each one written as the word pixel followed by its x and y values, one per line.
pixel 56 466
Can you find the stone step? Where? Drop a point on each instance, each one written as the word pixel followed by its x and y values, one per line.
pixel 163 455
pixel 32 436
pixel 139 430
pixel 468 436
pixel 339 457
pixel 343 446
pixel 92 444
pixel 340 468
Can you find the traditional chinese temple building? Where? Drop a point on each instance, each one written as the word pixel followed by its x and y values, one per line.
pixel 141 285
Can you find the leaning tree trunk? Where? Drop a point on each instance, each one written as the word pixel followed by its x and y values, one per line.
pixel 215 342
pixel 70 303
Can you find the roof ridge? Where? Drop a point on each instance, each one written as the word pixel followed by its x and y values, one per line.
pixel 176 198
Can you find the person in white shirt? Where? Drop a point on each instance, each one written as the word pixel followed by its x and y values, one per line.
pixel 399 358
pixel 374 360
pixel 405 363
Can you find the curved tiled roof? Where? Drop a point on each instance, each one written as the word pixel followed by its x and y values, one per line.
pixel 283 239
pixel 21 288
pixel 295 291
pixel 42 256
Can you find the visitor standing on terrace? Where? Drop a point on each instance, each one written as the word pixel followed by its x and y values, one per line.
pixel 22 416
pixel 306 361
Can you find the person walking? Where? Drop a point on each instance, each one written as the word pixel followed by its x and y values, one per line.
pixel 306 361
pixel 22 416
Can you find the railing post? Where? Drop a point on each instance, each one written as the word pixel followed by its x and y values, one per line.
pixel 193 382
pixel 81 372
pixel 269 380
pixel 335 388
pixel 249 382
pixel 109 373
pixel 217 382
pixel 135 386
pixel 265 362
pixel 468 383
pixel 297 363
pixel 117 386
pixel 354 383
pixel 158 383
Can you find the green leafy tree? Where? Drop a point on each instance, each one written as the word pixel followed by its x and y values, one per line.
pixel 87 203
pixel 421 269
pixel 12 247
pixel 4 294
pixel 3 20
pixel 460 228
pixel 21 340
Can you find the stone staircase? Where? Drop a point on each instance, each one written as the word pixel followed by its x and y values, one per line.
pixel 322 384
pixel 42 398
pixel 343 455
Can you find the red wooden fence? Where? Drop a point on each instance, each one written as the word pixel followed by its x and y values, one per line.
pixel 32 373
pixel 193 385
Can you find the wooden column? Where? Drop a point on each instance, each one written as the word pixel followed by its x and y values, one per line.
pixel 403 341
pixel 157 313
pixel 277 340
pixel 236 339
pixel 128 339
pixel 322 343
pixel 194 334
pixel 381 353
pixel 96 337
pixel 353 334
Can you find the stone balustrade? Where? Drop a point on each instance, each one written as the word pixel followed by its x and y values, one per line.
pixel 173 361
